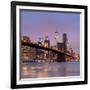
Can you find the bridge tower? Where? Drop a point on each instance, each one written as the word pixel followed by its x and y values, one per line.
pixel 46 44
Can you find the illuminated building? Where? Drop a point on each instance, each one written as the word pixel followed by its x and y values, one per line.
pixel 46 42
pixel 40 42
pixel 60 46
pixel 57 39
pixel 26 39
pixel 78 57
pixel 25 50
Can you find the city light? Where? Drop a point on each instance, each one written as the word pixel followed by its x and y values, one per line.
pixel 42 51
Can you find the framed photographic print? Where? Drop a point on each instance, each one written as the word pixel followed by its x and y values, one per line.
pixel 48 44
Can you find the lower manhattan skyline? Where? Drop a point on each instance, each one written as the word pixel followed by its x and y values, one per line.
pixel 39 24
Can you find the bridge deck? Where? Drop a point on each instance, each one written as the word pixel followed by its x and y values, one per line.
pixel 45 48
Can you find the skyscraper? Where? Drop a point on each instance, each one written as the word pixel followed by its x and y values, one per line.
pixel 65 41
pixel 46 42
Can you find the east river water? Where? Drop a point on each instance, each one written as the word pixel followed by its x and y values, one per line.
pixel 50 69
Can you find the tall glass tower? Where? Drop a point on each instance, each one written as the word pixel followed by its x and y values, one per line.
pixel 56 37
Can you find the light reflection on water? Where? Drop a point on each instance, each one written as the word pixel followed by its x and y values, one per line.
pixel 54 69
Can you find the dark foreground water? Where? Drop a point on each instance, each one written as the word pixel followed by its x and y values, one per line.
pixel 52 69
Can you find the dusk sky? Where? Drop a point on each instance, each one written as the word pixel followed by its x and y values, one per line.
pixel 36 24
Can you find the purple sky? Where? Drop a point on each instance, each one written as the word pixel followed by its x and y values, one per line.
pixel 37 24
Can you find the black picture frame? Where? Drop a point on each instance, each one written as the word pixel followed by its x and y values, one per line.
pixel 14 5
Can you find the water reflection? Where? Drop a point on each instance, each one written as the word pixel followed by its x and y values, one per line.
pixel 54 69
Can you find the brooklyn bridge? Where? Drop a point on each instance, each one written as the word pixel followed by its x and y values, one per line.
pixel 31 51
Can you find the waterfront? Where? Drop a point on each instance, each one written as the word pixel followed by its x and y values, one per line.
pixel 50 69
